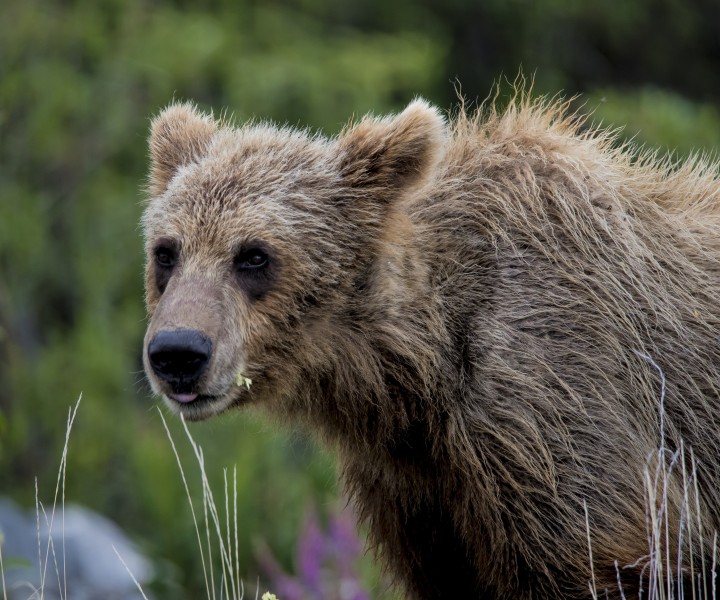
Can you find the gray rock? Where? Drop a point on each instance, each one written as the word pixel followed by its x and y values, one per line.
pixel 91 569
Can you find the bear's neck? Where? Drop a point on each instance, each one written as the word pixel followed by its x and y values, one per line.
pixel 377 385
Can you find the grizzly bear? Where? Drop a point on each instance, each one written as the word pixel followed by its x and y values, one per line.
pixel 506 325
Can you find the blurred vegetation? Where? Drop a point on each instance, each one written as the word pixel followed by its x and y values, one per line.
pixel 79 80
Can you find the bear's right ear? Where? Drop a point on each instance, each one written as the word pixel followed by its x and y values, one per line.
pixel 179 135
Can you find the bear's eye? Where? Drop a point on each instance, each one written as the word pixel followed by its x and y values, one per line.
pixel 256 269
pixel 251 259
pixel 165 257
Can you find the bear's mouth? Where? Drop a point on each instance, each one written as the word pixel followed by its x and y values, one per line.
pixel 185 398
pixel 195 406
pixel 192 399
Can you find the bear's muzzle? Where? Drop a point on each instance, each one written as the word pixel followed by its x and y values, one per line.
pixel 180 357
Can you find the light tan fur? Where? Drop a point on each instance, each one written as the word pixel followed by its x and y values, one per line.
pixel 473 315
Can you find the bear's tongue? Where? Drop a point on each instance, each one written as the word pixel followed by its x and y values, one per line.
pixel 184 398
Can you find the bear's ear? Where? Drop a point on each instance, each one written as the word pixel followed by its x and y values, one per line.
pixel 391 154
pixel 179 135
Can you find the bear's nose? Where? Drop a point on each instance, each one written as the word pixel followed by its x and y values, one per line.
pixel 179 356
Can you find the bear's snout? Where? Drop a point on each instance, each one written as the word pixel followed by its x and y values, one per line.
pixel 180 357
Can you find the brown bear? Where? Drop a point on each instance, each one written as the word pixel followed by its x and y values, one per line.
pixel 506 326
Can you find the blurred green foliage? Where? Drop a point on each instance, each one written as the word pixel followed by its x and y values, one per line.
pixel 79 80
pixel 660 119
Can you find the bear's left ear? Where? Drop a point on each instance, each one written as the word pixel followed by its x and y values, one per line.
pixel 179 135
pixel 392 154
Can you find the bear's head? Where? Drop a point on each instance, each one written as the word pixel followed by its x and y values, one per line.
pixel 257 239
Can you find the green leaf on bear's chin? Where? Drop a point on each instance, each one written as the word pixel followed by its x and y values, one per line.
pixel 241 381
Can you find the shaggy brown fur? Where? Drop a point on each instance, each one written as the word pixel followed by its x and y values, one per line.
pixel 477 316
